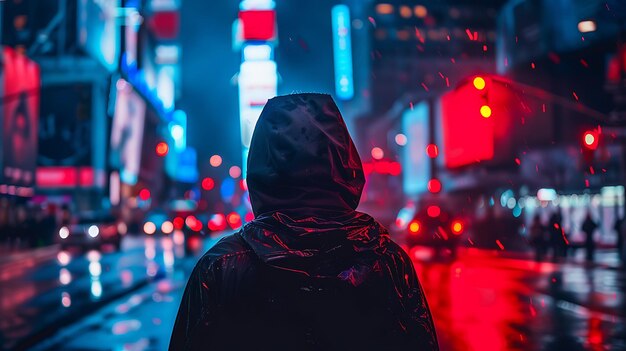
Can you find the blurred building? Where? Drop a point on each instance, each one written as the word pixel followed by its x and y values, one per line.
pixel 110 74
pixel 419 50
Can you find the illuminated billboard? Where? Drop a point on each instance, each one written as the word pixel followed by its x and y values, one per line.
pixel 20 84
pixel 257 84
pixel 415 162
pixel 98 31
pixel 468 130
pixel 342 48
pixel 127 132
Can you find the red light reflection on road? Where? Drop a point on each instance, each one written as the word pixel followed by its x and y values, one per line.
pixel 475 305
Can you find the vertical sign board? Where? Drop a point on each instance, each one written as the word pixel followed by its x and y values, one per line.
pixel 342 48
pixel 19 115
pixel 98 31
pixel 127 132
pixel 257 84
pixel 415 162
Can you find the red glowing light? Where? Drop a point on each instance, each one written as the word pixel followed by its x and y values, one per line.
pixel 590 139
pixel 467 137
pixel 234 220
pixel 432 150
pixel 258 24
pixel 433 211
pixel 434 185
pixel 162 149
pixel 193 223
pixel 208 183
pixel 217 222
pixel 249 217
pixel 179 222
pixel 144 194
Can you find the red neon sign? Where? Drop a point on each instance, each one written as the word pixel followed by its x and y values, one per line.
pixel 258 24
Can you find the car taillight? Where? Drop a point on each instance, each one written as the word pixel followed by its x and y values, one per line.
pixel 457 227
pixel 433 211
pixel 414 227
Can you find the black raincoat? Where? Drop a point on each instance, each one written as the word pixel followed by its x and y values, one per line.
pixel 310 272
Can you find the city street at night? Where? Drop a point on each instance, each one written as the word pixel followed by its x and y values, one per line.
pixel 131 300
pixel 441 175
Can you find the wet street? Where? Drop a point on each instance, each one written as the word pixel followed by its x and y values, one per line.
pixel 484 300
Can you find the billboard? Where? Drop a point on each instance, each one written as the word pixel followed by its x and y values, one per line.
pixel 127 132
pixel 415 162
pixel 468 137
pixel 98 32
pixel 20 84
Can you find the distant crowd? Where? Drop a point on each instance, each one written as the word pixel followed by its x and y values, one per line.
pixel 550 240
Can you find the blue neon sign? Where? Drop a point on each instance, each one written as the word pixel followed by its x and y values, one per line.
pixel 342 47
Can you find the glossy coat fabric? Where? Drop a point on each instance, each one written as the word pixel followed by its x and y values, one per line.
pixel 310 272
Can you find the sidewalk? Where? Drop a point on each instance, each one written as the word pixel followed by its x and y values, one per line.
pixel 604 258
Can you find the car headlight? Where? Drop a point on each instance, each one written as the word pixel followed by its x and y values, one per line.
pixel 93 231
pixel 64 232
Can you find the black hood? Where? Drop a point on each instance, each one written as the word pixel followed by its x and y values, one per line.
pixel 302 160
pixel 305 180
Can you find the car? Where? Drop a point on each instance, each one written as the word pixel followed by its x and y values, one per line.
pixel 90 232
pixel 430 223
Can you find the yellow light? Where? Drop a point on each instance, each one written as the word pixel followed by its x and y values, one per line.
pixel 420 11
pixel 479 83
pixel 414 227
pixel 485 111
pixel 384 9
pixel 457 227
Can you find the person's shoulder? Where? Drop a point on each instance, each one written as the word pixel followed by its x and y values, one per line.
pixel 229 247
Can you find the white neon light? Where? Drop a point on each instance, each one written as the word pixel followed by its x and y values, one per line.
pixel 257 52
pixel 257 84
pixel 257 5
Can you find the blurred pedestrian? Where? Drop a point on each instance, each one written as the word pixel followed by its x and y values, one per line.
pixel 537 238
pixel 558 239
pixel 589 228
pixel 309 272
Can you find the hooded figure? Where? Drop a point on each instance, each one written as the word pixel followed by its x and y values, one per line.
pixel 310 272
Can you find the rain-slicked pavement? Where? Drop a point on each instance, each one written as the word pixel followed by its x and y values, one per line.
pixel 484 300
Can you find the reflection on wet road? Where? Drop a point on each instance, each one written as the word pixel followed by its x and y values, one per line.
pixel 488 303
pixel 483 301
pixel 39 295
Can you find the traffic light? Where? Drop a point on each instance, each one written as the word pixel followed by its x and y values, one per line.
pixel 591 139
